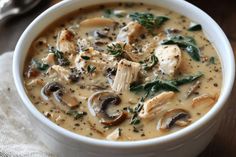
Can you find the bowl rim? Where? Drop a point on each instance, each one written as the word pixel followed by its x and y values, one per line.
pixel 17 74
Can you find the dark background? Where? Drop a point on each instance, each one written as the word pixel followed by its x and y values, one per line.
pixel 224 13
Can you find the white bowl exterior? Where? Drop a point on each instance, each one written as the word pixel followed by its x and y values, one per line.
pixel 187 142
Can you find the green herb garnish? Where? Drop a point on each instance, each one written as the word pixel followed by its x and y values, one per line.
pixel 76 114
pixel 40 66
pixel 195 27
pixel 148 20
pixel 212 61
pixel 152 62
pixel 85 57
pixel 61 60
pixel 187 79
pixel 185 42
pixel 91 68
pixel 116 49
pixel 135 120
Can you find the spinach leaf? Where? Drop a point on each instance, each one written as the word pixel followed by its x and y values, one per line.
pixel 148 20
pixel 153 87
pixel 61 60
pixel 211 61
pixel 185 42
pixel 40 66
pixel 187 79
pixel 85 57
pixel 195 27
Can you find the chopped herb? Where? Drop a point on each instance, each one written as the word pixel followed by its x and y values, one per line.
pixel 116 49
pixel 195 27
pixel 135 130
pixel 108 13
pixel 212 61
pixel 76 114
pixel 135 120
pixel 85 57
pixel 152 62
pixel 185 42
pixel 40 66
pixel 61 60
pixel 91 68
pixel 119 131
pixel 187 79
pixel 148 20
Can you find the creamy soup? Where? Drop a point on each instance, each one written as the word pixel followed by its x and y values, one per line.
pixel 123 72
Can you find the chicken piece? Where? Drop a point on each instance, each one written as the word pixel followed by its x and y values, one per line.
pixel 152 106
pixel 127 73
pixel 97 22
pixel 50 59
pixel 129 33
pixel 169 57
pixel 60 71
pixel 115 135
pixel 204 99
pixel 66 42
pixel 94 58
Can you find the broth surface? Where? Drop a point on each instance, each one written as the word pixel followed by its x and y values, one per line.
pixel 88 57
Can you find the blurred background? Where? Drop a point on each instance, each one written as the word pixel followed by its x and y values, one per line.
pixel 224 13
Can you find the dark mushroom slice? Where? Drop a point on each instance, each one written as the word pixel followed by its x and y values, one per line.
pixel 49 88
pixel 99 103
pixel 172 118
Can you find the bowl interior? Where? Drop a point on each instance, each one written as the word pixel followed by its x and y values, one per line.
pixel 211 29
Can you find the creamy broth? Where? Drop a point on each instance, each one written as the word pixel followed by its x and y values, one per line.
pixel 105 72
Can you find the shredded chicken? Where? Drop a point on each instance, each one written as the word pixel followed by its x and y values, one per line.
pixel 66 42
pixel 129 33
pixel 169 57
pixel 152 106
pixel 60 71
pixel 127 73
pixel 204 99
pixel 97 22
pixel 115 135
pixel 49 59
pixel 94 58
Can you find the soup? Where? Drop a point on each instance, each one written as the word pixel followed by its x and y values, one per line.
pixel 123 72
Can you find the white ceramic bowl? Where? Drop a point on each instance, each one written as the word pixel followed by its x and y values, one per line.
pixel 188 142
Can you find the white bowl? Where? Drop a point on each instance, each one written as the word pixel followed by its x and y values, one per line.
pixel 188 142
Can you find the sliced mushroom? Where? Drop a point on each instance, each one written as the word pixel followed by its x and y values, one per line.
pixel 204 99
pixel 66 42
pixel 49 88
pixel 99 102
pixel 115 135
pixel 175 117
pixel 130 32
pixel 127 73
pixel 169 57
pixel 66 99
pixel 95 58
pixel 153 106
pixel 97 22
